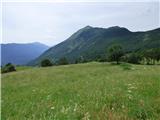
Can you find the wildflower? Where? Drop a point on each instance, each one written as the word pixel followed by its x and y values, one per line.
pixel 112 108
pixel 86 116
pixel 123 106
pixel 63 109
pixel 133 68
pixel 132 87
pixel 129 91
pixel 33 90
pixel 52 108
pixel 48 97
pixel 130 97
pixel 75 108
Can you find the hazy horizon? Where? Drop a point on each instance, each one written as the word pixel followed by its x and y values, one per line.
pixel 52 23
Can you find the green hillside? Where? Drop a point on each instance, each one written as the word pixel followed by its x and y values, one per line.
pixel 91 91
pixel 91 42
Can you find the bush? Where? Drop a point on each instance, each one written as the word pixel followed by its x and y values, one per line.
pixel 8 68
pixel 102 60
pixel 46 62
pixel 126 66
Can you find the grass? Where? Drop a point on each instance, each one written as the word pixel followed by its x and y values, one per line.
pixel 20 68
pixel 91 91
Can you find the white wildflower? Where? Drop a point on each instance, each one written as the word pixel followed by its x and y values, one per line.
pixel 130 97
pixel 123 106
pixel 132 87
pixel 129 84
pixel 52 108
pixel 86 116
pixel 112 108
pixel 75 107
pixel 33 90
pixel 65 110
pixel 129 91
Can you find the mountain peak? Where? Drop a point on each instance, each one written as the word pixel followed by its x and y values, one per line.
pixel 118 28
pixel 87 27
pixel 115 27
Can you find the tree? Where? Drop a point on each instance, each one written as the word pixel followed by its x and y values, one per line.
pixel 152 55
pixel 63 61
pixel 157 54
pixel 134 58
pixel 146 56
pixel 8 68
pixel 76 61
pixel 115 53
pixel 46 62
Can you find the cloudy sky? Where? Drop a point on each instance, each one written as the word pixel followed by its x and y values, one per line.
pixel 52 22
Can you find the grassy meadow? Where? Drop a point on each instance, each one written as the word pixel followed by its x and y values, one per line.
pixel 90 91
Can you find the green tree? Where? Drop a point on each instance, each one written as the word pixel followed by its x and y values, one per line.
pixel 63 61
pixel 8 68
pixel 115 53
pixel 146 56
pixel 46 62
pixel 134 58
pixel 152 55
pixel 157 54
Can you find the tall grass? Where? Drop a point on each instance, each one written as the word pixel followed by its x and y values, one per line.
pixel 91 91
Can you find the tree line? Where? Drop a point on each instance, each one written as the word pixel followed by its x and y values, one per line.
pixel 115 53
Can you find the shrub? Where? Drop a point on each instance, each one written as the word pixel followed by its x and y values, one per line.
pixel 8 68
pixel 46 62
pixel 126 66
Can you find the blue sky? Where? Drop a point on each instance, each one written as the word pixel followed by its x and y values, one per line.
pixel 53 22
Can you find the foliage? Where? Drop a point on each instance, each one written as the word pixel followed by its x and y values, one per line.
pixel 8 68
pixel 63 61
pixel 157 54
pixel 46 62
pixel 152 55
pixel 81 59
pixel 126 66
pixel 134 58
pixel 115 53
pixel 93 41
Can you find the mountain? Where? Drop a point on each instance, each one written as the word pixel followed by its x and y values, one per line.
pixel 90 42
pixel 21 54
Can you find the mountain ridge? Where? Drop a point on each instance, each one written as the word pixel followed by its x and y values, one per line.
pixel 93 41
pixel 21 53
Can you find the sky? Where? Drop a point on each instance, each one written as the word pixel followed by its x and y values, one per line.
pixel 53 22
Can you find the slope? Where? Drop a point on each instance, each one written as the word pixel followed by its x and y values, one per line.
pixel 20 54
pixel 90 42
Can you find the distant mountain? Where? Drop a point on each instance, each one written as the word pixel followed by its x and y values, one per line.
pixel 90 42
pixel 21 54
